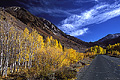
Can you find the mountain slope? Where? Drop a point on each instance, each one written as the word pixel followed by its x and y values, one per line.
pixel 44 27
pixel 109 36
pixel 109 39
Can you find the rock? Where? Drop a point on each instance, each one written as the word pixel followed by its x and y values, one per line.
pixel 78 64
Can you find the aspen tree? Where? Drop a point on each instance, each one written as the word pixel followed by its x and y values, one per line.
pixel 47 42
pixel 2 42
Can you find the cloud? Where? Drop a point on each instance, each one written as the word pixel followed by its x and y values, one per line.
pixel 77 16
pixel 96 0
pixel 79 32
pixel 96 15
pixel 73 30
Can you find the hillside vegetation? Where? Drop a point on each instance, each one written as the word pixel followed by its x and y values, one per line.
pixel 111 50
pixel 27 54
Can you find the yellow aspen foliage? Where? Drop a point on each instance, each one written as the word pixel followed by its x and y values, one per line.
pixel 71 55
pixel 56 43
pixel 113 49
pixel 59 45
pixel 26 33
pixel 33 56
pixel 40 41
pixel 47 42
pixel 51 38
pixel 95 50
pixel 65 62
pixel 51 41
pixel 79 56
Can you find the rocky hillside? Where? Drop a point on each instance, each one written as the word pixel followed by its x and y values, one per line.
pixel 109 37
pixel 105 41
pixel 109 41
pixel 21 18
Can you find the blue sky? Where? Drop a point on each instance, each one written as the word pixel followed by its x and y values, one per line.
pixel 88 20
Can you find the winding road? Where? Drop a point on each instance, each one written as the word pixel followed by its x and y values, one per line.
pixel 102 68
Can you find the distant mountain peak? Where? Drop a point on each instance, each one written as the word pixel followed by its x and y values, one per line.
pixel 109 36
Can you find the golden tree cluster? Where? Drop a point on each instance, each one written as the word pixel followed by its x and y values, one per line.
pixel 113 50
pixel 27 52
pixel 95 51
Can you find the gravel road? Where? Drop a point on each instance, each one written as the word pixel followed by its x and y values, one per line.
pixel 102 68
